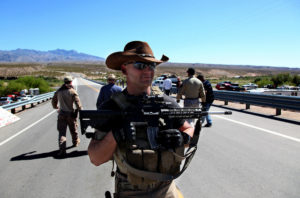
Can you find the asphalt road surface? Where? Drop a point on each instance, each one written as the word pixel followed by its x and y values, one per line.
pixel 241 155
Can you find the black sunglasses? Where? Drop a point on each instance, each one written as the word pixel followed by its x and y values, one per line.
pixel 141 65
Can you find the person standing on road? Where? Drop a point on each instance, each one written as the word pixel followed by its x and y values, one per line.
pixel 167 85
pixel 107 90
pixel 66 96
pixel 192 88
pixel 138 166
pixel 209 98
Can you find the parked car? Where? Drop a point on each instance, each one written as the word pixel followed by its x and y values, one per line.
pixel 173 78
pixel 23 98
pixel 160 83
pixel 12 96
pixel 5 100
pixel 164 75
pixel 174 88
pixel 269 86
pixel 160 78
pixel 227 85
pixel 250 86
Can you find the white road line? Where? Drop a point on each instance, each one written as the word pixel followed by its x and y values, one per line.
pixel 261 129
pixel 74 83
pixel 22 131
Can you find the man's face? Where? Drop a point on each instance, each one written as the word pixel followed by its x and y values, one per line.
pixel 139 77
pixel 111 80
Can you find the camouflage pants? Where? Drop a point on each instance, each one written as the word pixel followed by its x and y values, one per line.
pixel 192 103
pixel 62 122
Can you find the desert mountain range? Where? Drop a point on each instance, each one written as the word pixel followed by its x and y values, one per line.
pixel 58 55
pixel 61 55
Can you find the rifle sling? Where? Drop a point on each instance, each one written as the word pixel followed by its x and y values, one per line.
pixel 161 176
pixel 120 99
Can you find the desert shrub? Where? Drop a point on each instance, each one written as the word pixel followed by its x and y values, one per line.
pixel 33 82
pixel 296 80
pixel 264 81
pixel 13 86
pixel 2 88
pixel 26 82
pixel 282 78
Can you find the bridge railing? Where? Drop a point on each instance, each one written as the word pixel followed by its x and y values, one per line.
pixel 273 101
pixel 34 100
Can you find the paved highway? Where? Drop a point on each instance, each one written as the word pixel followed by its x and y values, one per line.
pixel 241 155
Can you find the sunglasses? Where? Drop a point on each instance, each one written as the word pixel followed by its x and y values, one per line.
pixel 141 65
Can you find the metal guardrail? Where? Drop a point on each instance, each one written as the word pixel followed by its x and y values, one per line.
pixel 97 82
pixel 34 100
pixel 273 101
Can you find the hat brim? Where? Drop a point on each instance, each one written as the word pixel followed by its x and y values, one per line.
pixel 115 60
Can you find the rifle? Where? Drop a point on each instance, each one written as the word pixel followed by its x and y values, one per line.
pixel 152 109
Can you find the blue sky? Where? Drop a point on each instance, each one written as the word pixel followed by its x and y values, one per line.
pixel 248 32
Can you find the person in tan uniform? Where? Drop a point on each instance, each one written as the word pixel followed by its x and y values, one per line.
pixel 66 96
pixel 135 164
pixel 192 88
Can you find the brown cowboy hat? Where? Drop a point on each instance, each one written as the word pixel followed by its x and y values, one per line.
pixel 133 51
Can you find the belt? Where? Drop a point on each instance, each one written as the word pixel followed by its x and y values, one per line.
pixel 191 98
pixel 65 112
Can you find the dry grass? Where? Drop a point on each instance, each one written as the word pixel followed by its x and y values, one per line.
pixel 98 70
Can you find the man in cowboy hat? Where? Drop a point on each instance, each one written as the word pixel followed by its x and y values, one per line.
pixel 137 165
pixel 66 96
pixel 107 90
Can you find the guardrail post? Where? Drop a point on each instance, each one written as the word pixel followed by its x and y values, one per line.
pixel 32 105
pixel 225 102
pixel 13 111
pixel 278 111
pixel 23 107
pixel 247 106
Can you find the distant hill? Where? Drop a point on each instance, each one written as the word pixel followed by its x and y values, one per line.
pixel 219 70
pixel 228 66
pixel 58 55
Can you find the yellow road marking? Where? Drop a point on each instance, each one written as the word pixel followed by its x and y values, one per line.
pixel 95 89
pixel 180 195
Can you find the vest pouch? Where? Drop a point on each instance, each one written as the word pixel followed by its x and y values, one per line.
pixel 150 160
pixel 144 160
pixel 170 161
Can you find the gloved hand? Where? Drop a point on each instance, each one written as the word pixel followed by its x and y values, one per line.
pixel 170 138
pixel 178 101
pixel 124 134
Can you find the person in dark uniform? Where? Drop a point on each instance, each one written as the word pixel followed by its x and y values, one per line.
pixel 209 98
pixel 107 90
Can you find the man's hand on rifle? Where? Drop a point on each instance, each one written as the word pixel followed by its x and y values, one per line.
pixel 170 138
